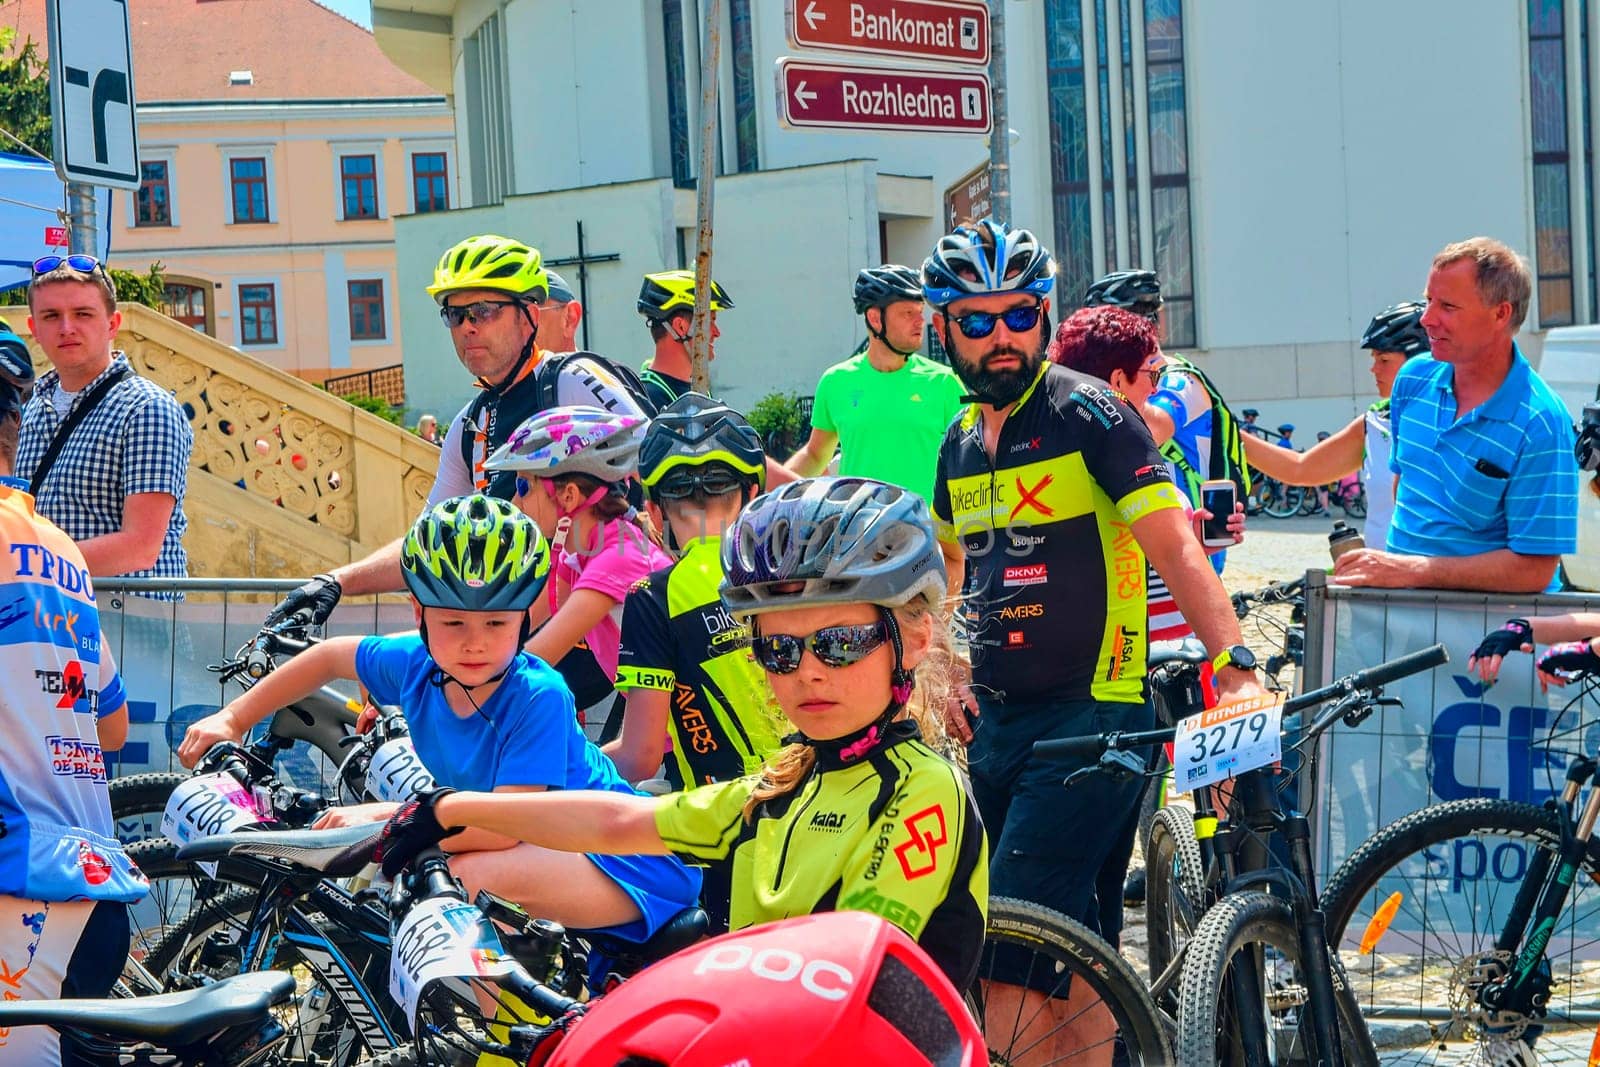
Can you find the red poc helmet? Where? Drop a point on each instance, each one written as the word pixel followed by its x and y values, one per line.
pixel 835 988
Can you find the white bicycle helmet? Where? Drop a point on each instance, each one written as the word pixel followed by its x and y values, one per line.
pixel 985 259
pixel 573 440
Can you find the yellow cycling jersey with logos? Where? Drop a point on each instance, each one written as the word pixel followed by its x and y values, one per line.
pixel 679 639
pixel 1055 605
pixel 895 833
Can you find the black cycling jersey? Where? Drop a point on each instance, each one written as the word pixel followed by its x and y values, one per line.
pixel 1056 606
pixel 662 389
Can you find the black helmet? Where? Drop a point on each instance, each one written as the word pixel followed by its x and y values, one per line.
pixel 695 431
pixel 1398 329
pixel 16 370
pixel 1137 290
pixel 878 287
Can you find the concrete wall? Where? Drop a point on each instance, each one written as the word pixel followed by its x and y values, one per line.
pixel 793 316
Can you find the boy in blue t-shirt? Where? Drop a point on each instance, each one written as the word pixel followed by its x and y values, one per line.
pixel 484 715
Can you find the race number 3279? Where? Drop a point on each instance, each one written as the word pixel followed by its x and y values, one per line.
pixel 1226 741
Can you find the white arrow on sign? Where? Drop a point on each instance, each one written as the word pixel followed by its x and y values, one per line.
pixel 802 97
pixel 812 15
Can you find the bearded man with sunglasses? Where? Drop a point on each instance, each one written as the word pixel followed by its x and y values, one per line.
pixel 105 451
pixel 1051 485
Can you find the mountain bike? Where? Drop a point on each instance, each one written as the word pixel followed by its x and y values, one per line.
pixel 231 1023
pixel 1237 951
pixel 1478 917
pixel 325 720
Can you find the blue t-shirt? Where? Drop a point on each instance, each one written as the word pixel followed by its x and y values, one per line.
pixel 526 733
pixel 1182 397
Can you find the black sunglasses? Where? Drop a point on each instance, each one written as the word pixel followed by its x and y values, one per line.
pixel 479 312
pixel 709 483
pixel 979 324
pixel 834 646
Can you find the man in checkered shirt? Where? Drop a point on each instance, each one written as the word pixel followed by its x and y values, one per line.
pixel 116 488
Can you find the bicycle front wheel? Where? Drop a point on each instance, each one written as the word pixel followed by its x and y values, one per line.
pixel 1256 928
pixel 138 802
pixel 1416 913
pixel 1175 891
pixel 1049 990
pixel 1284 501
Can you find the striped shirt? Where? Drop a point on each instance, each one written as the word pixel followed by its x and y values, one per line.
pixel 136 440
pixel 1500 476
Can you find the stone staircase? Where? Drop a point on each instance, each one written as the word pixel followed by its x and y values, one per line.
pixel 285 479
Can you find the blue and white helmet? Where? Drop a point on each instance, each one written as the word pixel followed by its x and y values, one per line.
pixel 984 259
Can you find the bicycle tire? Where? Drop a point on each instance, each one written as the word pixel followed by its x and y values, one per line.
pixel 1284 501
pixel 1355 505
pixel 336 1040
pixel 177 888
pixel 1236 924
pixel 1175 895
pixel 1064 952
pixel 1383 864
pixel 138 801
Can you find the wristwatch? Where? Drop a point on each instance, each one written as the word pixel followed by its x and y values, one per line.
pixel 1235 656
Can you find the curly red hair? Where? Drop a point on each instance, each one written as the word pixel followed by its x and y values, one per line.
pixel 1099 340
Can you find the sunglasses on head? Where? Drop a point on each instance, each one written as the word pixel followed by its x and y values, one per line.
pixel 709 483
pixel 979 324
pixel 81 263
pixel 478 312
pixel 834 646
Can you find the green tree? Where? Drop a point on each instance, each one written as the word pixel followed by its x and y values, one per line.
pixel 24 93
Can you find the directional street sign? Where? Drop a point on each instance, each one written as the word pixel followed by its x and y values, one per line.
pixel 945 31
pixel 91 93
pixel 968 198
pixel 838 96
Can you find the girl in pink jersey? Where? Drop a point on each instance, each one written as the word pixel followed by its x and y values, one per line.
pixel 573 465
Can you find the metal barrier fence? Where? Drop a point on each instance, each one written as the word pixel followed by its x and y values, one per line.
pixel 1453 739
pixel 163 648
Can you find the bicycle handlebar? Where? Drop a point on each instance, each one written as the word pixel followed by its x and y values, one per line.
pixel 1362 681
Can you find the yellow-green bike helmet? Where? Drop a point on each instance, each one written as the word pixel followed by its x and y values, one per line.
pixel 489 261
pixel 475 553
pixel 667 292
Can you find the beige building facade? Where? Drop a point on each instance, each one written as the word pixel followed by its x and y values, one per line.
pixel 277 145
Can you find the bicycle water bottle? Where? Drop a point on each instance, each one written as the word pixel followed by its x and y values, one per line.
pixel 1343 539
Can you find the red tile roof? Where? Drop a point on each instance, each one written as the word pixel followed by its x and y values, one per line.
pixel 184 50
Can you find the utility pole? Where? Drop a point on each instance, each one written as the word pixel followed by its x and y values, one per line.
pixel 1000 135
pixel 710 56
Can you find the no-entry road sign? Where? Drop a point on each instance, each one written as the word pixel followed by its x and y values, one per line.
pixel 946 31
pixel 839 96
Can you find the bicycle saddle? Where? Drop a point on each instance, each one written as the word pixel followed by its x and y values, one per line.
pixel 337 853
pixel 1188 650
pixel 678 932
pixel 170 1020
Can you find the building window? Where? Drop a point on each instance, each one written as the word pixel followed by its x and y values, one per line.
pixel 745 123
pixel 1552 206
pixel 677 92
pixel 1103 220
pixel 186 303
pixel 366 310
pixel 258 314
pixel 358 178
pixel 155 195
pixel 249 178
pixel 430 185
pixel 1169 168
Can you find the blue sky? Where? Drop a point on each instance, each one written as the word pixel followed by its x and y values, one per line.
pixel 359 10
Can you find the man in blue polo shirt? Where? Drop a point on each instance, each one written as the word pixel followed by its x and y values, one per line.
pixel 1487 496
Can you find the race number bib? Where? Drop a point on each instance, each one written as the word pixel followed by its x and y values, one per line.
pixel 442 939
pixel 396 773
pixel 208 805
pixel 1226 741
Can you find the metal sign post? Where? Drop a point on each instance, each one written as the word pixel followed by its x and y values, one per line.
pixel 1000 136
pixel 700 348
pixel 91 106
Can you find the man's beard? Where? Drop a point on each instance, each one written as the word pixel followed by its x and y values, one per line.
pixel 999 387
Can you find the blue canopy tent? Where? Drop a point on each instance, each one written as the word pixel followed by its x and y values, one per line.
pixel 32 198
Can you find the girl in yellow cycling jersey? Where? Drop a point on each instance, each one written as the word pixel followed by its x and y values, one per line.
pixel 840 579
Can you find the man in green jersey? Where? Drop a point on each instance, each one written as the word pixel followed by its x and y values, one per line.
pixel 887 405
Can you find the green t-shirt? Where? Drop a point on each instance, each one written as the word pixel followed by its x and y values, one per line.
pixel 890 424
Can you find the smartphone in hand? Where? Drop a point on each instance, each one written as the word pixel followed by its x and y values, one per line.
pixel 1218 498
